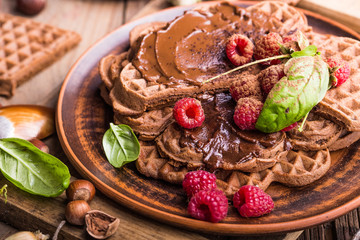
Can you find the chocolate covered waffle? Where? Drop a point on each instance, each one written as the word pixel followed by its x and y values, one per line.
pixel 342 104
pixel 27 47
pixel 159 71
pixel 296 168
pixel 218 143
pixel 169 61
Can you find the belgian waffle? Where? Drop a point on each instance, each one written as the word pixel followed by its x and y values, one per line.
pixel 318 133
pixel 146 104
pixel 148 125
pixel 27 47
pixel 132 94
pixel 342 104
pixel 298 168
pixel 278 17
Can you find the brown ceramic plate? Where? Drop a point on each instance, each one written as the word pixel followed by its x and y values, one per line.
pixel 83 117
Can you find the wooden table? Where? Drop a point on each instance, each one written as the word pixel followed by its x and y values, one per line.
pixel 27 212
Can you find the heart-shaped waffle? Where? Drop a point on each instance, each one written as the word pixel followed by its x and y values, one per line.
pixel 297 168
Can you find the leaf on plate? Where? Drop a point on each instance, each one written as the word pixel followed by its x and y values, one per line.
pixel 120 145
pixel 32 170
pixel 305 85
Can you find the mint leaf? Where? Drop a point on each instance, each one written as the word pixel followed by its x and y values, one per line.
pixel 32 170
pixel 295 77
pixel 120 145
pixel 308 51
pixel 305 85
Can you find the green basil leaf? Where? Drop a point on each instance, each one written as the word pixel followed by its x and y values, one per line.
pixel 32 170
pixel 120 145
pixel 290 100
pixel 308 51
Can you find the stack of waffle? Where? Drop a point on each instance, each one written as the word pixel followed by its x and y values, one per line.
pixel 168 152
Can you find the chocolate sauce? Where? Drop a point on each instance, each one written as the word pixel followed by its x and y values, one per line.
pixel 191 48
pixel 220 140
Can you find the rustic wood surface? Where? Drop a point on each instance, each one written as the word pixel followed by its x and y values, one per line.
pixel 27 212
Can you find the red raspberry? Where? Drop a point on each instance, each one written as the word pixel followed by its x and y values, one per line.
pixel 209 205
pixel 188 113
pixel 288 128
pixel 246 87
pixel 269 77
pixel 252 201
pixel 247 112
pixel 198 180
pixel 341 74
pixel 290 38
pixel 239 49
pixel 268 46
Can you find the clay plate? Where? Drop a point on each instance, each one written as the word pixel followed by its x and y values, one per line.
pixel 83 117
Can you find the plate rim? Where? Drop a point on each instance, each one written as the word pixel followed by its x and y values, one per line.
pixel 177 220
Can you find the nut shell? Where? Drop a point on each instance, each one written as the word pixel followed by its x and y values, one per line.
pixel 26 121
pixel 101 225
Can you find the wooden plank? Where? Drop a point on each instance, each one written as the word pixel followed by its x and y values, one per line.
pixel 44 214
pixel 6 230
pixel 345 12
pixel 91 19
pixel 103 17
pixel 347 225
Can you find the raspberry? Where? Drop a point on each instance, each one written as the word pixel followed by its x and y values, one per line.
pixel 246 87
pixel 208 205
pixel 198 180
pixel 247 112
pixel 268 46
pixel 290 38
pixel 252 201
pixel 188 113
pixel 288 128
pixel 340 70
pixel 239 49
pixel 269 77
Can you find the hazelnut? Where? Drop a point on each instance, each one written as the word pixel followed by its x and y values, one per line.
pixel 30 7
pixel 39 144
pixel 101 225
pixel 75 212
pixel 80 190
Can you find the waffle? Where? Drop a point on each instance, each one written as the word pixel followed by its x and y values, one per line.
pixel 149 125
pixel 133 93
pixel 318 133
pixel 342 104
pixel 278 17
pixel 110 68
pixel 297 169
pixel 27 47
pixel 345 139
pixel 218 143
